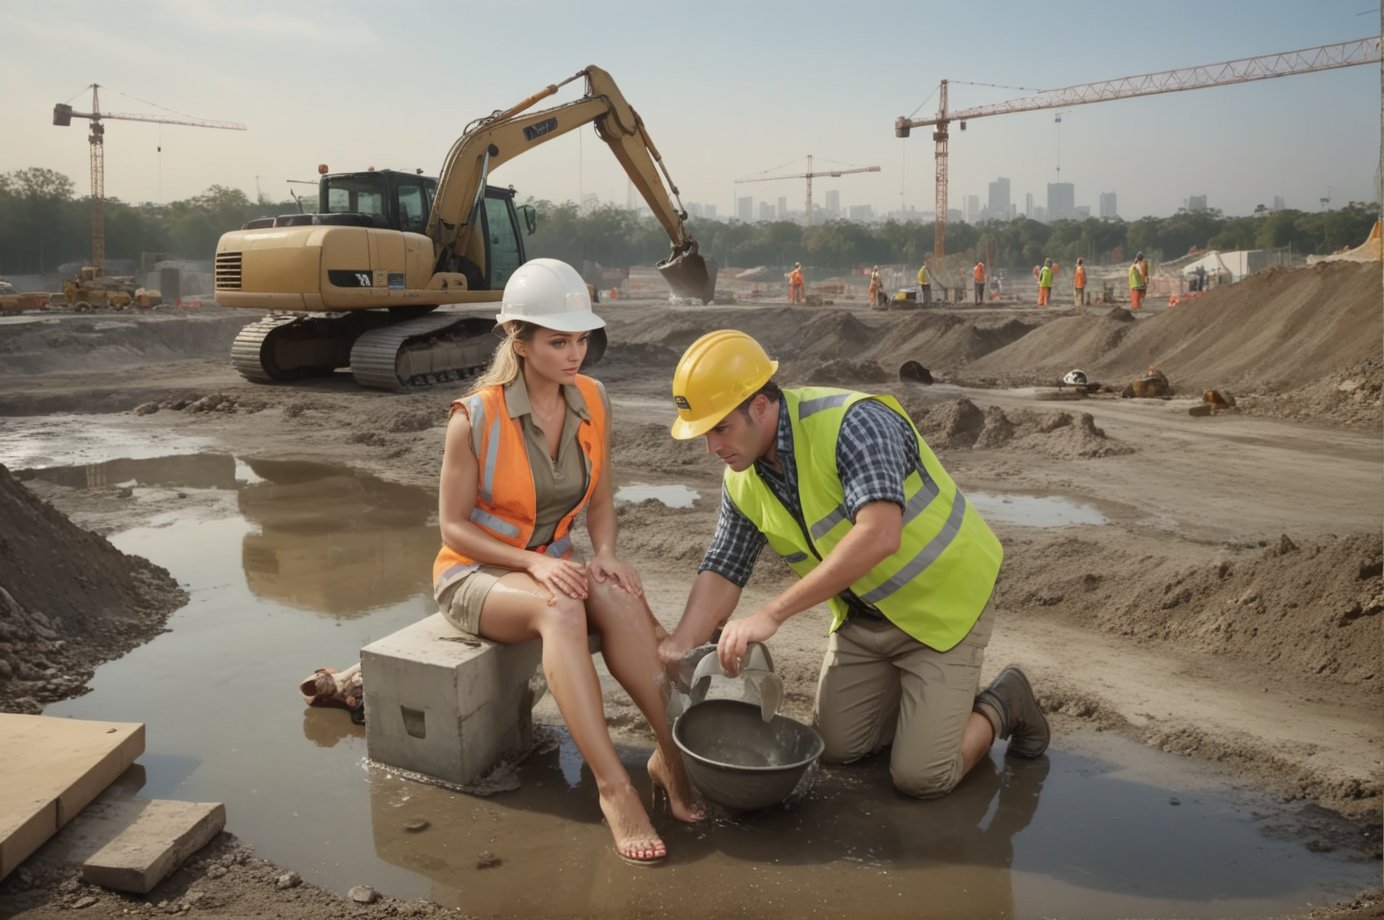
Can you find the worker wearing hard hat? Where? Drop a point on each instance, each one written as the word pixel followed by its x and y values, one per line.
pixel 924 284
pixel 876 287
pixel 527 451
pixel 795 283
pixel 1045 283
pixel 845 489
pixel 1138 281
pixel 978 276
pixel 1079 283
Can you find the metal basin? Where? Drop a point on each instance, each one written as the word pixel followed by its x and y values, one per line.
pixel 738 760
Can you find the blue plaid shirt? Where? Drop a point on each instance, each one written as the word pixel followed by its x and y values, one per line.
pixel 876 449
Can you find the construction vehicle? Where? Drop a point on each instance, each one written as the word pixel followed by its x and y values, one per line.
pixel 353 284
pixel 90 290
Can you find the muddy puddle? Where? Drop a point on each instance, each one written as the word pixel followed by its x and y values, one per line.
pixel 1034 510
pixel 294 565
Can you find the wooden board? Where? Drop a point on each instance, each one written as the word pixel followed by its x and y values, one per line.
pixel 49 770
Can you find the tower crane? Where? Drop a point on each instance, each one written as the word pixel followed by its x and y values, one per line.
pixel 62 117
pixel 809 175
pixel 1243 70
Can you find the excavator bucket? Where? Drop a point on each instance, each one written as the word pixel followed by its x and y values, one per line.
pixel 690 275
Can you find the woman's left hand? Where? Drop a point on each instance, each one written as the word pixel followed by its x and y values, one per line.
pixel 605 565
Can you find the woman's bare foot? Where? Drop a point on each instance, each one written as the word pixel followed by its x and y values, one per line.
pixel 672 779
pixel 636 841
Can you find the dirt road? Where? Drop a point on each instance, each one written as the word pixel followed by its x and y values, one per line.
pixel 1227 608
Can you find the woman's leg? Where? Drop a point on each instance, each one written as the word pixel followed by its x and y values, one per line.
pixel 518 609
pixel 630 647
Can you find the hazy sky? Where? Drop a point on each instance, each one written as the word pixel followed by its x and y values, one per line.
pixel 728 91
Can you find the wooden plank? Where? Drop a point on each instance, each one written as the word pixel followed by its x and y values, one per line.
pixel 49 770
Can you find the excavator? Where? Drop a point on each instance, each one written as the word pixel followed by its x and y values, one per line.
pixel 356 284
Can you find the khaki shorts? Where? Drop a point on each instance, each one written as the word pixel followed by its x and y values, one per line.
pixel 462 602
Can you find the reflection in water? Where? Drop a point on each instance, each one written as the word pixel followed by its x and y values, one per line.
pixel 186 471
pixel 1062 834
pixel 334 541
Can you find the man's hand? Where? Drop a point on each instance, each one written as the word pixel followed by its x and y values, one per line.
pixel 671 650
pixel 738 634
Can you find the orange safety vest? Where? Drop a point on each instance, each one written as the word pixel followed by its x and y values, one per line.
pixel 795 276
pixel 506 503
pixel 979 273
pixel 1079 278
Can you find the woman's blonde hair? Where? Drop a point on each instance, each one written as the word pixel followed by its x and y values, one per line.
pixel 506 366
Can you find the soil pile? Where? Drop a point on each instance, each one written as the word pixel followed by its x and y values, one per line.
pixel 69 601
pixel 1278 330
pixel 963 424
pixel 1311 610
pixel 69 343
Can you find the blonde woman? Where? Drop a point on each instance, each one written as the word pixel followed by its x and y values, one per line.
pixel 527 450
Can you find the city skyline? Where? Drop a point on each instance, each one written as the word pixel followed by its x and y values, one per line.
pixel 758 114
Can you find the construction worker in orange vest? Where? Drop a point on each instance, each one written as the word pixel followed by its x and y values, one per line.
pixel 876 287
pixel 1138 281
pixel 795 283
pixel 978 275
pixel 1079 283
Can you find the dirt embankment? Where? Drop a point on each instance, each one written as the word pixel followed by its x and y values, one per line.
pixel 68 601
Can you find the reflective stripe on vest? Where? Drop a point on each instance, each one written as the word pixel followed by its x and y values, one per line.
pixel 505 502
pixel 936 584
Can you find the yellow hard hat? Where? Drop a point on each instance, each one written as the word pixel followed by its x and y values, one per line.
pixel 717 373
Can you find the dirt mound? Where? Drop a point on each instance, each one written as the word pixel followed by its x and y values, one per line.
pixel 1061 435
pixel 65 342
pixel 1277 330
pixel 841 372
pixel 1311 610
pixel 69 601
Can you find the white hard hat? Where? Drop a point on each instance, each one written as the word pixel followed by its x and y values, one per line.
pixel 1075 376
pixel 548 293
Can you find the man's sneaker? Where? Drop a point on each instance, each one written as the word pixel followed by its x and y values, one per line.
pixel 1010 698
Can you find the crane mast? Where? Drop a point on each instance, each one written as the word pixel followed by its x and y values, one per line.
pixel 1242 70
pixel 62 117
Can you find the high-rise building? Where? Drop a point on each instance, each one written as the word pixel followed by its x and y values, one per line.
pixel 862 212
pixel 834 202
pixel 744 209
pixel 1196 202
pixel 972 209
pixel 1278 203
pixel 1061 201
pixel 999 208
pixel 1107 205
pixel 1028 204
pixel 766 211
pixel 782 208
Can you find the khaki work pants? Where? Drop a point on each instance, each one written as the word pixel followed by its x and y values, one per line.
pixel 879 686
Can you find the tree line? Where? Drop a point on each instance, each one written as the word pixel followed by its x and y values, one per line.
pixel 44 224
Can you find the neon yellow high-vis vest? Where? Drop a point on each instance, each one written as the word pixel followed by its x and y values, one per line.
pixel 938 582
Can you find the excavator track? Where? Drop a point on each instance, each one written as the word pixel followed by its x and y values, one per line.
pixel 423 352
pixel 384 351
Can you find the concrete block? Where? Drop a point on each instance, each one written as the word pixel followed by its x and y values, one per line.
pixel 447 705
pixel 161 836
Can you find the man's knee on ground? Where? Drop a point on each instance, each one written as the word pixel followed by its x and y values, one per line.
pixel 841 750
pixel 928 782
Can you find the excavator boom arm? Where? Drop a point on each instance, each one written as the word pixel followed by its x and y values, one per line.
pixel 515 131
